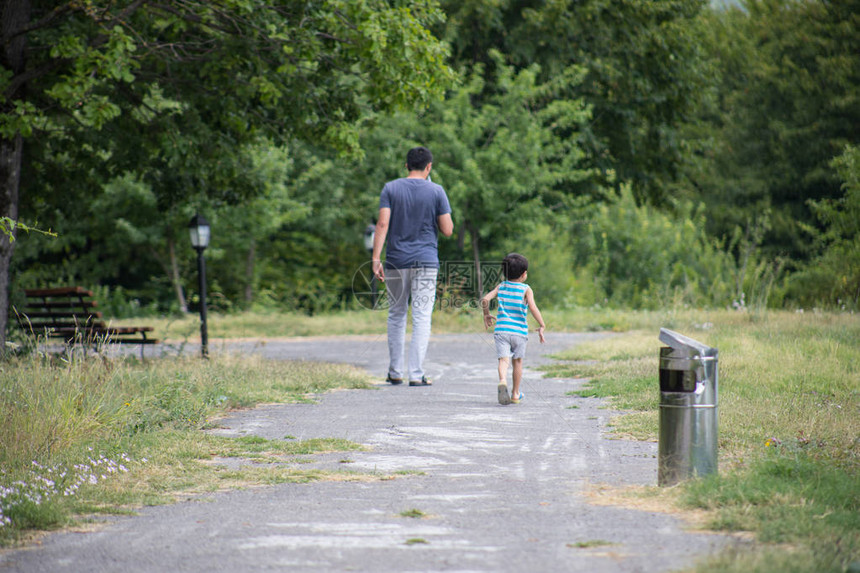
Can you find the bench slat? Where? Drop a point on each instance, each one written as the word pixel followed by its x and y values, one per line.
pixel 61 314
pixel 63 304
pixel 119 334
pixel 98 329
pixel 72 337
pixel 89 325
pixel 61 291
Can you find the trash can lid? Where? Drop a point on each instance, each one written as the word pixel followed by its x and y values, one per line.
pixel 680 342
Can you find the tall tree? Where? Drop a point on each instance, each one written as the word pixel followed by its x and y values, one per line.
pixel 833 277
pixel 644 72
pixel 206 76
pixel 786 100
pixel 14 16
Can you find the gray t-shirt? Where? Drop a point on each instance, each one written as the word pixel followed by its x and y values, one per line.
pixel 412 230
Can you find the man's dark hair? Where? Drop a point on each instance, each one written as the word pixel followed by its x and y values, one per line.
pixel 514 265
pixel 417 158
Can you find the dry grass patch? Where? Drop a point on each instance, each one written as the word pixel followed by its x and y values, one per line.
pixel 650 499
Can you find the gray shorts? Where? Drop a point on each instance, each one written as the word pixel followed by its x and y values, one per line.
pixel 510 345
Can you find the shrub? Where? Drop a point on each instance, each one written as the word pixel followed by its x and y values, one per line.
pixel 641 257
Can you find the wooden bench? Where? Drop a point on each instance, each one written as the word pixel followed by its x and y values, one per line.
pixel 69 313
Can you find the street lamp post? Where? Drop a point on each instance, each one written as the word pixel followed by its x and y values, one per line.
pixel 198 228
pixel 369 235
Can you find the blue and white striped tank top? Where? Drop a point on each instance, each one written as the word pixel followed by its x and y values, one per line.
pixel 512 309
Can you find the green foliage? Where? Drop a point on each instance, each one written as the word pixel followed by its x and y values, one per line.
pixel 275 122
pixel 9 228
pixel 552 274
pixel 782 105
pixel 643 72
pixel 117 239
pixel 503 152
pixel 246 229
pixel 146 114
pixel 308 260
pixel 502 159
pixel 255 58
pixel 834 277
pixel 637 255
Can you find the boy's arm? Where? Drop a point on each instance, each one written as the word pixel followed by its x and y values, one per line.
pixel 533 308
pixel 485 306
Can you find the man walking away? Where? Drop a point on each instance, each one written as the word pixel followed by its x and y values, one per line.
pixel 412 211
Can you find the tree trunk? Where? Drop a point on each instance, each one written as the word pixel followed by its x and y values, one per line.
pixel 476 256
pixel 174 273
pixel 14 15
pixel 10 178
pixel 249 273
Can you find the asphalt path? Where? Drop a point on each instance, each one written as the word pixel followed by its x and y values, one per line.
pixel 501 488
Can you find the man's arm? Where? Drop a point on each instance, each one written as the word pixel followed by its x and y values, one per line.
pixel 379 240
pixel 445 224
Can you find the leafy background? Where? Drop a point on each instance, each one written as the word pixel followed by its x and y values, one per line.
pixel 641 153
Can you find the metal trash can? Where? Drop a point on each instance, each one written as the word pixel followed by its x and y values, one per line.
pixel 688 409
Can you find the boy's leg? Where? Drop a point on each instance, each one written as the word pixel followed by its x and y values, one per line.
pixel 503 351
pixel 517 377
pixel 504 397
pixel 503 370
pixel 518 351
pixel 397 287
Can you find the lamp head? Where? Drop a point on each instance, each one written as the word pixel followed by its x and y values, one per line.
pixel 198 228
pixel 369 233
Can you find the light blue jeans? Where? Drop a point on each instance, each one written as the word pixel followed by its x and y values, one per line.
pixel 418 286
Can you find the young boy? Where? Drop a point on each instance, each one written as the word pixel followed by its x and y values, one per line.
pixel 512 330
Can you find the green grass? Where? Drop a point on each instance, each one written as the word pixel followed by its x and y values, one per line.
pixel 413 513
pixel 620 367
pixel 805 514
pixel 590 544
pixel 86 436
pixel 265 325
pixel 367 322
pixel 789 424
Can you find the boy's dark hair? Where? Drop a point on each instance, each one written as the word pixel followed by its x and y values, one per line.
pixel 417 158
pixel 514 265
